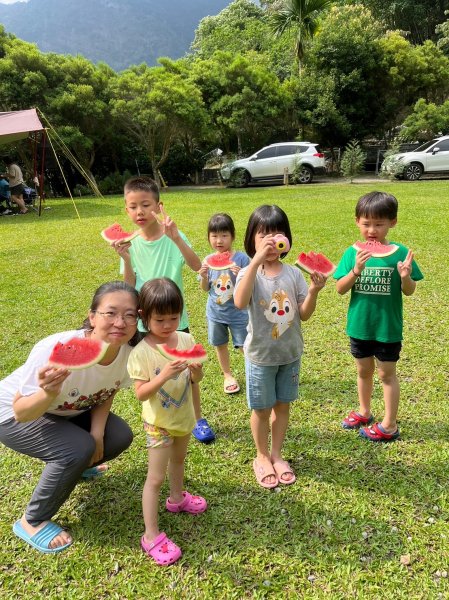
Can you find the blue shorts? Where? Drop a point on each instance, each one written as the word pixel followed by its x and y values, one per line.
pixel 218 334
pixel 266 385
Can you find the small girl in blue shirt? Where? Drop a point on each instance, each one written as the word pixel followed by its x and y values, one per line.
pixel 221 312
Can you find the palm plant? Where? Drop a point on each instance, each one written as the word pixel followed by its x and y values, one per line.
pixel 299 15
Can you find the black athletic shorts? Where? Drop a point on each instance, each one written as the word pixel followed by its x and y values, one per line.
pixel 383 351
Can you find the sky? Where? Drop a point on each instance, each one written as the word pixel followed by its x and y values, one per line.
pixel 11 1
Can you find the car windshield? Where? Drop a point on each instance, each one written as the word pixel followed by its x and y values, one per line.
pixel 424 146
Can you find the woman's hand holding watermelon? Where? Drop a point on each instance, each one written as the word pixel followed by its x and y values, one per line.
pixel 50 379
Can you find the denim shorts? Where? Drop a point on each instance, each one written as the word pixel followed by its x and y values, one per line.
pixel 266 385
pixel 218 334
pixel 383 351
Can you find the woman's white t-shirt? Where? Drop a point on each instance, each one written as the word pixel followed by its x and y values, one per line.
pixel 81 391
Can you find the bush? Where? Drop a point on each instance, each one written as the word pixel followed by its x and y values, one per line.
pixel 391 167
pixel 353 160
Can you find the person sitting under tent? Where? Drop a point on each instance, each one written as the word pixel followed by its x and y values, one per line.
pixel 4 197
pixel 15 178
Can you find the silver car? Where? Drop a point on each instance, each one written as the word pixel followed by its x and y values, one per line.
pixel 269 164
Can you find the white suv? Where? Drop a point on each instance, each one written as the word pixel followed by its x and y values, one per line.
pixel 431 157
pixel 268 164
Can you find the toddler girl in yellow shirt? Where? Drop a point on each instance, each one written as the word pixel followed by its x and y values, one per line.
pixel 164 387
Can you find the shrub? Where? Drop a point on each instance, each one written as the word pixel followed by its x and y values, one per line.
pixel 353 160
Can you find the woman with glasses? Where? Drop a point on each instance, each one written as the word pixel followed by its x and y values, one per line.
pixel 63 417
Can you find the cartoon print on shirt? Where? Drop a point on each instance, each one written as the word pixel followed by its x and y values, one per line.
pixel 224 288
pixel 280 312
pixel 86 402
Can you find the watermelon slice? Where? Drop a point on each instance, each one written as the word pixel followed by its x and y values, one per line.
pixel 377 249
pixel 195 354
pixel 314 261
pixel 220 261
pixel 115 233
pixel 78 353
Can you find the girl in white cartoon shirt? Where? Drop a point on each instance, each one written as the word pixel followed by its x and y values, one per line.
pixel 277 298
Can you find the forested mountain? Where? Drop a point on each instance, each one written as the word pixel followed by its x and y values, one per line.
pixel 119 32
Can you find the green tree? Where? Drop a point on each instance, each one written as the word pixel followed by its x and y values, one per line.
pixel 300 16
pixel 156 107
pixel 245 100
pixel 241 28
pixel 347 53
pixel 417 18
pixel 426 121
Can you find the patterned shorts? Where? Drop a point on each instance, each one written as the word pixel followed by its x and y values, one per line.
pixel 157 437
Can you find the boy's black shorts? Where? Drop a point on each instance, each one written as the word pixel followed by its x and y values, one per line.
pixel 383 351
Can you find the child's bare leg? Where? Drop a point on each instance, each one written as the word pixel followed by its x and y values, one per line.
pixel 390 382
pixel 196 400
pixel 223 359
pixel 176 468
pixel 260 428
pixel 279 423
pixel 365 374
pixel 157 467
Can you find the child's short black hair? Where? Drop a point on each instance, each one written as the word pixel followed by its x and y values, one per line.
pixel 266 219
pixel 160 295
pixel 221 222
pixel 377 205
pixel 142 184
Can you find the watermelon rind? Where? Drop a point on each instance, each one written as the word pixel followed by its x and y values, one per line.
pixel 175 354
pixel 217 262
pixel 68 355
pixel 377 249
pixel 305 258
pixel 115 233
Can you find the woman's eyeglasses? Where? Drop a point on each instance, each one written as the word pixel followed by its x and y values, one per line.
pixel 111 317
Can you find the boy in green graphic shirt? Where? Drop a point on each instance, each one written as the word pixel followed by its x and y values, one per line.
pixel 374 322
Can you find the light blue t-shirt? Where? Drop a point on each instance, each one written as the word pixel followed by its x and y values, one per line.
pixel 220 304
pixel 158 258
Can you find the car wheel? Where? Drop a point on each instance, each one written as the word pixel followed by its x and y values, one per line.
pixel 413 172
pixel 239 178
pixel 305 175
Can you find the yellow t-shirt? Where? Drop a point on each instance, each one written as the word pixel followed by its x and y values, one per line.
pixel 171 408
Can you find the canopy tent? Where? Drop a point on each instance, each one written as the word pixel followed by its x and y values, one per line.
pixel 18 125
pixel 21 124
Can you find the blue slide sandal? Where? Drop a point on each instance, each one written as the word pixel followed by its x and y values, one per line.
pixel 42 538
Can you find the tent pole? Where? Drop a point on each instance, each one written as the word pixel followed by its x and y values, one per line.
pixel 41 183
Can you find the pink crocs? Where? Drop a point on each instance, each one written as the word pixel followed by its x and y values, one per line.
pixel 190 504
pixel 162 550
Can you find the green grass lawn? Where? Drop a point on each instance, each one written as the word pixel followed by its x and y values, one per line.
pixel 356 507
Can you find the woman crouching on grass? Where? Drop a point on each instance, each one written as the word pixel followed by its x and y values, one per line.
pixel 63 417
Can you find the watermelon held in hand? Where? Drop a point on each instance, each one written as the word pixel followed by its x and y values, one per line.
pixel 377 249
pixel 77 353
pixel 314 261
pixel 220 261
pixel 115 233
pixel 195 354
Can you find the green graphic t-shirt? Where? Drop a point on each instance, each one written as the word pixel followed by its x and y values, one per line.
pixel 375 308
